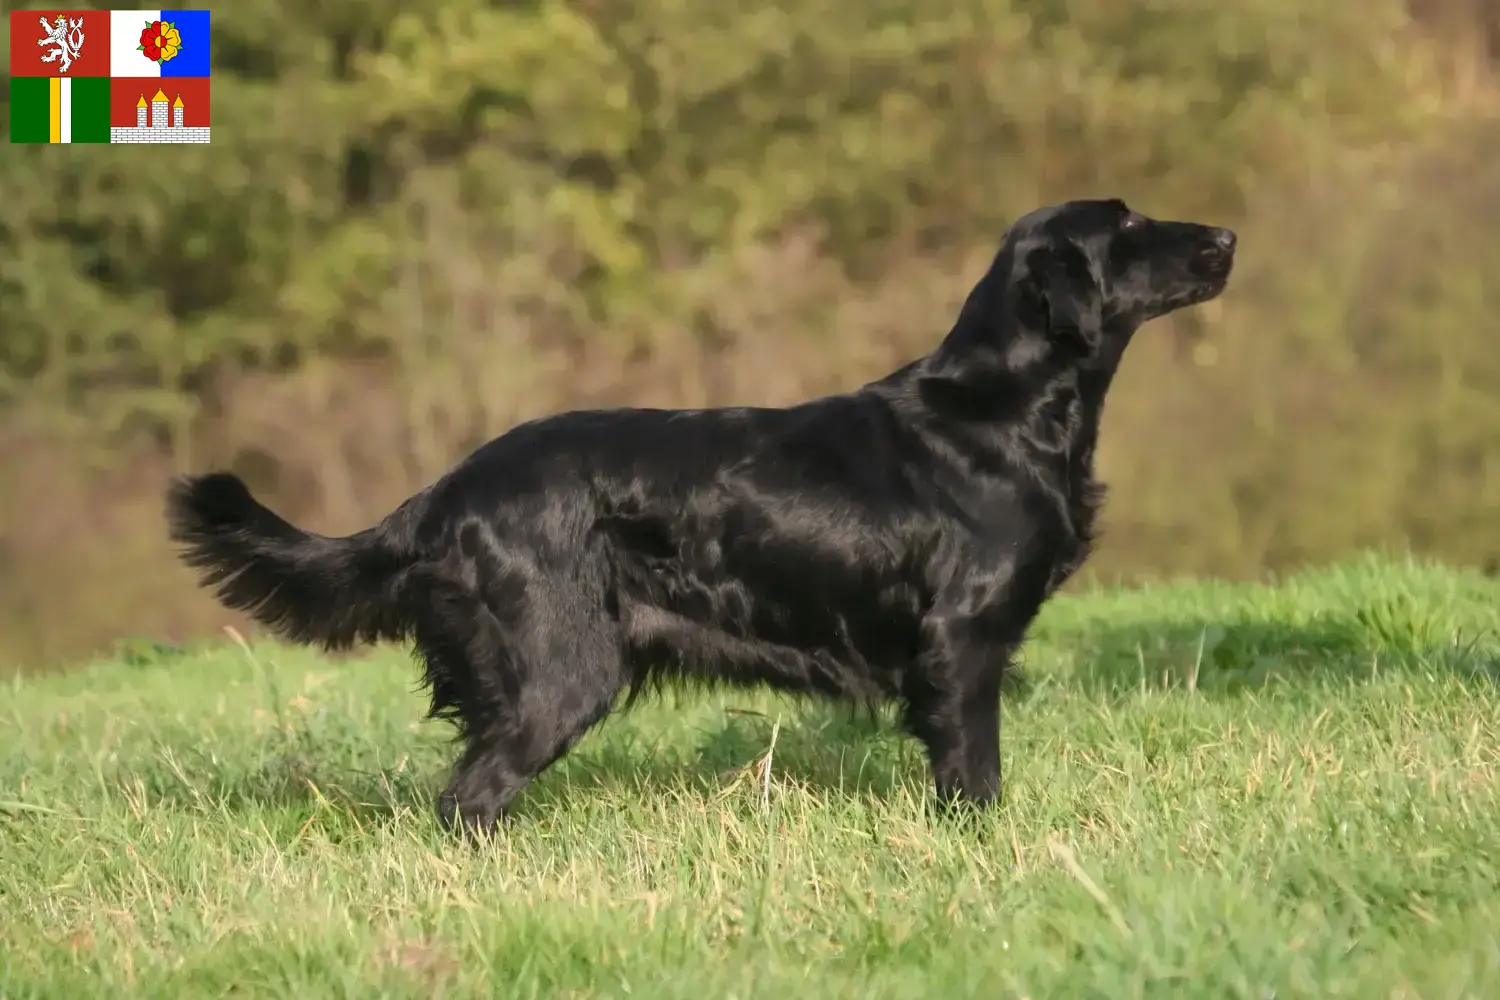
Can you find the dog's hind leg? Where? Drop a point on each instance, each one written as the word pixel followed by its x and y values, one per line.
pixel 529 679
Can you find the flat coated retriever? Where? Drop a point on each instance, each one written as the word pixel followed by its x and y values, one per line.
pixel 890 544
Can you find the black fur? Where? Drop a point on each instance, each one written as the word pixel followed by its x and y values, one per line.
pixel 892 543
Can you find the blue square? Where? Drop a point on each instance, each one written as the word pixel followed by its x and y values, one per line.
pixel 193 59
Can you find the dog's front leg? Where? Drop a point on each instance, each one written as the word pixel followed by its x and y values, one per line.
pixel 955 712
pixel 953 695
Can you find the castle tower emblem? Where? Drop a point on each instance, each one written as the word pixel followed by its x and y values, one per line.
pixel 160 120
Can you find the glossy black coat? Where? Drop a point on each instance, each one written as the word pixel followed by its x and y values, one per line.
pixel 891 543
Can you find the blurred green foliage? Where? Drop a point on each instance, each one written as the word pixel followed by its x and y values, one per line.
pixel 404 185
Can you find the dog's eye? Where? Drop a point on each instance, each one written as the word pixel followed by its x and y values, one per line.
pixel 1131 221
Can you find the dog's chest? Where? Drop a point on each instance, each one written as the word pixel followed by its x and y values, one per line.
pixel 1083 495
pixel 1074 428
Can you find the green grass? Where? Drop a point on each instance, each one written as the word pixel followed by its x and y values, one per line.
pixel 1212 791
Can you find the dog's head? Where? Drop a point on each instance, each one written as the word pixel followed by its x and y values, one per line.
pixel 1083 272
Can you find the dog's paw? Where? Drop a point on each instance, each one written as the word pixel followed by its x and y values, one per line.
pixel 472 823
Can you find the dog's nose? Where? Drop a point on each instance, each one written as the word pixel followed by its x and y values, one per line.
pixel 1223 239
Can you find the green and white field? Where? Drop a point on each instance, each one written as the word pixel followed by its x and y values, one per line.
pixel 1212 790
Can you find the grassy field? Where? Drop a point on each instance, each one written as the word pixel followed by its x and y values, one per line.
pixel 1212 791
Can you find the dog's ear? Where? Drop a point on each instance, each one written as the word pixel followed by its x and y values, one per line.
pixel 1060 295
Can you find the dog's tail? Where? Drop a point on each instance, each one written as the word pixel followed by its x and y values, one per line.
pixel 307 588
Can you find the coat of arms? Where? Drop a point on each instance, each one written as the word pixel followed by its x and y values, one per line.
pixel 66 39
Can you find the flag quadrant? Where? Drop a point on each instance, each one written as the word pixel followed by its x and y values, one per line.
pixel 159 43
pixel 59 42
pixel 133 76
pixel 59 109
pixel 159 110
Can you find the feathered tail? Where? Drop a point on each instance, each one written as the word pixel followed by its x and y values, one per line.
pixel 307 588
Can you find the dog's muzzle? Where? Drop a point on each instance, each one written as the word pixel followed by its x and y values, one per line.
pixel 1215 254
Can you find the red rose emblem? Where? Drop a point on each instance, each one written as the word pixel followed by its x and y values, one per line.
pixel 160 41
pixel 151 41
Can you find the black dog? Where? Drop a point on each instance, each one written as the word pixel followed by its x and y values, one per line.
pixel 893 543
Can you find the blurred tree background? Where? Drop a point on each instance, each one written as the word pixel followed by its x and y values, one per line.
pixel 420 223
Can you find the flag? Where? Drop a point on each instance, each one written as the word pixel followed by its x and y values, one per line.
pixel 126 76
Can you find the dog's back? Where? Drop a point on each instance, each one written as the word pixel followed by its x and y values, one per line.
pixel 741 545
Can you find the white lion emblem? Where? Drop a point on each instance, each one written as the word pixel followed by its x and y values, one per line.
pixel 65 36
